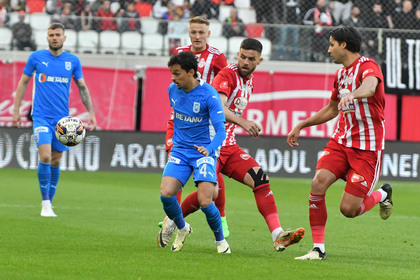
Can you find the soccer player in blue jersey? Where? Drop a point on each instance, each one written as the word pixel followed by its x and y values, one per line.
pixel 53 70
pixel 196 107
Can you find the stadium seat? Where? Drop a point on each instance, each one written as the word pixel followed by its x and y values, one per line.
pixel 247 15
pixel 254 30
pixel 216 28
pixel 243 4
pixel 152 44
pixel 149 25
pixel 40 39
pixel 88 41
pixel 266 52
pixel 109 42
pixel 224 12
pixel 233 46
pixel 219 42
pixel 70 44
pixel 131 42
pixel 6 38
pixel 14 18
pixel 39 21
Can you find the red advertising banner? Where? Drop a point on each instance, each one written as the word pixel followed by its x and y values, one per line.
pixel 280 100
pixel 113 93
pixel 410 118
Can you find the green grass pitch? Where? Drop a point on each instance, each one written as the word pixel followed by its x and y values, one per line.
pixel 107 225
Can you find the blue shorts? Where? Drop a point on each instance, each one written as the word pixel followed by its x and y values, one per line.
pixel 181 166
pixel 44 133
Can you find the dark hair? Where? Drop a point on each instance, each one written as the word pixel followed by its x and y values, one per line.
pixel 349 35
pixel 56 25
pixel 186 60
pixel 252 44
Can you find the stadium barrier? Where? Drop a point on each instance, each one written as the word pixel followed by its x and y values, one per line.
pixel 145 152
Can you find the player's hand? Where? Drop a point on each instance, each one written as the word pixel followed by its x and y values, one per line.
pixel 251 127
pixel 16 120
pixel 292 137
pixel 202 150
pixel 345 102
pixel 92 123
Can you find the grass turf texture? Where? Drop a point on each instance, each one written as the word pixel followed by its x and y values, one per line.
pixel 107 225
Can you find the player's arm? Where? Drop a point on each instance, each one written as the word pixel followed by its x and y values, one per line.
pixel 251 127
pixel 169 133
pixel 366 89
pixel 85 96
pixel 20 93
pixel 325 114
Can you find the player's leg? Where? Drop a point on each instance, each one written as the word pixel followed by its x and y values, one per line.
pixel 331 166
pixel 44 177
pixel 174 177
pixel 359 196
pixel 243 168
pixel 206 179
pixel 220 203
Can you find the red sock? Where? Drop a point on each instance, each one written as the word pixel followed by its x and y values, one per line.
pixel 220 201
pixel 369 202
pixel 317 217
pixel 178 197
pixel 190 204
pixel 267 205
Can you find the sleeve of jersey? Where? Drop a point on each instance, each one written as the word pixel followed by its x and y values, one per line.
pixel 29 66
pixel 370 68
pixel 77 73
pixel 218 120
pixel 222 82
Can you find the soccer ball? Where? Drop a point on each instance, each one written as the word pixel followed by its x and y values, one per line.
pixel 70 131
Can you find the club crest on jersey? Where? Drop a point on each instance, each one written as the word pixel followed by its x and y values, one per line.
pixel 224 85
pixel 201 63
pixel 245 156
pixel 196 107
pixel 241 103
pixel 68 65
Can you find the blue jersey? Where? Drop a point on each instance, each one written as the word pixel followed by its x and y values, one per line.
pixel 193 114
pixel 52 79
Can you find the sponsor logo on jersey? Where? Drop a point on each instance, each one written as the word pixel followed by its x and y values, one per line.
pixel 324 153
pixel 188 118
pixel 367 71
pixel 42 78
pixel 224 85
pixel 196 107
pixel 356 178
pixel 207 160
pixel 68 65
pixel 350 79
pixel 245 156
pixel 41 129
pixel 241 103
pixel 45 63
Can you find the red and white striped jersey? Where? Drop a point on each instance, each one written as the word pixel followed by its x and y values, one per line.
pixel 238 90
pixel 210 61
pixel 364 127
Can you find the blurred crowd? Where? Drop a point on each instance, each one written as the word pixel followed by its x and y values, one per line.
pixel 124 15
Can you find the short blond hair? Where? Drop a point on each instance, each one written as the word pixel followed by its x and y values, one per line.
pixel 200 20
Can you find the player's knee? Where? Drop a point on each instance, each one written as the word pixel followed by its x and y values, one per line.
pixel 259 177
pixel 348 212
pixel 45 158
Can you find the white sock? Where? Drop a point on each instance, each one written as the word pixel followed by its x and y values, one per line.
pixel 275 233
pixel 321 246
pixel 383 193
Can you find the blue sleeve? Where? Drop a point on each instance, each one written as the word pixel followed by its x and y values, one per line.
pixel 218 138
pixel 218 120
pixel 77 72
pixel 29 66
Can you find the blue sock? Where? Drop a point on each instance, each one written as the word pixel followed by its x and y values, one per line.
pixel 55 175
pixel 44 177
pixel 173 210
pixel 214 221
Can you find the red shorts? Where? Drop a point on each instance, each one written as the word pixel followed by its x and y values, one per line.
pixel 361 169
pixel 235 162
